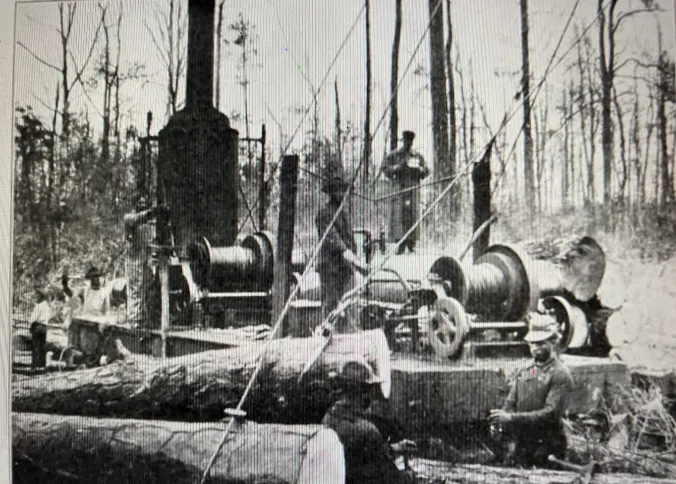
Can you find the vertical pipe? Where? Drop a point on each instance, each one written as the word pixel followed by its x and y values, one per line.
pixel 287 214
pixel 261 184
pixel 200 74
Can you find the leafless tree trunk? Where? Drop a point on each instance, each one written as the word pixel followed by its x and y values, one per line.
pixel 529 187
pixel 219 42
pixel 394 78
pixel 105 72
pixel 607 69
pixel 339 134
pixel 170 42
pixel 665 93
pixel 442 168
pixel 452 140
pixel 623 175
pixel 369 87
pixel 566 154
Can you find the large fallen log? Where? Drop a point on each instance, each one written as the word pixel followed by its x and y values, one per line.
pixel 200 386
pixel 55 449
pixel 435 472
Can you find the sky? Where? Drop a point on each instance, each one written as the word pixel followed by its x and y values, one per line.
pixel 296 41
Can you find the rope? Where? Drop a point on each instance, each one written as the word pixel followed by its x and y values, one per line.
pixel 337 213
pixel 295 291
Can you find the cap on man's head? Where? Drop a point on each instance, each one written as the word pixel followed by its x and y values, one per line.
pixel 358 371
pixel 93 272
pixel 408 135
pixel 542 330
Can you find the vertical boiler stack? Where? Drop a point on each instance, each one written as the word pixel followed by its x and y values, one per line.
pixel 198 148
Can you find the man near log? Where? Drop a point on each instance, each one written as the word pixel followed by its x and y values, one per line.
pixel 140 233
pixel 531 417
pixel 40 315
pixel 368 456
pixel 338 259
pixel 405 168
pixel 94 299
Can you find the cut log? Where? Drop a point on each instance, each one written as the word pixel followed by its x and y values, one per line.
pixel 581 262
pixel 200 386
pixel 55 449
pixel 434 472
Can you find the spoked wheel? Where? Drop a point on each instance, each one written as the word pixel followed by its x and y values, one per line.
pixel 447 328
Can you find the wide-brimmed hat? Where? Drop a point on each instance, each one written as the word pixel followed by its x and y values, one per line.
pixel 542 330
pixel 358 371
pixel 93 272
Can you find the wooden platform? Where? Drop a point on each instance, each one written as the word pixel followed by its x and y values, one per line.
pixel 149 341
pixel 428 393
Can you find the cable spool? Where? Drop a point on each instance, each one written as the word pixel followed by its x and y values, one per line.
pixel 571 320
pixel 246 267
pixel 499 285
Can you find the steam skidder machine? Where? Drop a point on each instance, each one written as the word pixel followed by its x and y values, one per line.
pixel 432 308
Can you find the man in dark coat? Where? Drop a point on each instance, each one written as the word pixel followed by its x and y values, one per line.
pixel 531 417
pixel 337 261
pixel 405 168
pixel 368 456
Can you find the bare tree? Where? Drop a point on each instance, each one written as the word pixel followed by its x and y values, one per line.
pixel 529 186
pixel 394 77
pixel 169 38
pixel 367 117
pixel 219 42
pixel 338 134
pixel 452 140
pixel 439 100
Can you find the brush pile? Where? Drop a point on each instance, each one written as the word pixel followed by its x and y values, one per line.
pixel 638 437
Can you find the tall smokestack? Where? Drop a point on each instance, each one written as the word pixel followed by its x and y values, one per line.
pixel 200 75
pixel 197 165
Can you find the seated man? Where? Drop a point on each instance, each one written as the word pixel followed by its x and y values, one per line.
pixel 531 417
pixel 368 457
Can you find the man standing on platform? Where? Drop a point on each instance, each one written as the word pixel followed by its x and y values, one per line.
pixel 405 168
pixel 531 417
pixel 140 233
pixel 338 260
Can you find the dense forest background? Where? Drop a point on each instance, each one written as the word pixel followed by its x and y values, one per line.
pixel 592 152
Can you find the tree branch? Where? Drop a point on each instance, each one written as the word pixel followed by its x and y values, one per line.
pixel 624 15
pixel 79 72
pixel 36 57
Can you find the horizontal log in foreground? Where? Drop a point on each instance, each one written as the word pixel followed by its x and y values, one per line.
pixel 56 449
pixel 200 386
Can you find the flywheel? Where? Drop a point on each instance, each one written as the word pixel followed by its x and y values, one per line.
pixel 447 327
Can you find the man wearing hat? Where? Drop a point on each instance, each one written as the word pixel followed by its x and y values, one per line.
pixel 95 299
pixel 368 456
pixel 337 261
pixel 405 168
pixel 531 417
